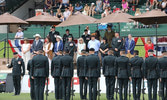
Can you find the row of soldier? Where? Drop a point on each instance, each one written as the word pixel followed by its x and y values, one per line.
pixel 89 71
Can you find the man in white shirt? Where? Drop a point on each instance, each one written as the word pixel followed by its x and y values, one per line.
pixel 19 34
pixel 66 14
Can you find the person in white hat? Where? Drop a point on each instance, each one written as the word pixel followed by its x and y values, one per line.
pixel 37 44
pixel 19 33
pixel 58 46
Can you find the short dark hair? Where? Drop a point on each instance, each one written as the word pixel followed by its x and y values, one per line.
pixel 67 30
pixel 85 30
pixel 83 51
pixel 111 51
pixel 66 51
pixel 136 52
pixel 91 49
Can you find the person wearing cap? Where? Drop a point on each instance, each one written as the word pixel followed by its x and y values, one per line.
pixel 163 74
pixel 109 71
pixel 104 48
pixel 37 44
pixel 18 71
pixel 52 34
pixel 19 35
pixel 26 51
pixel 58 45
pixel 151 73
pixel 32 87
pixel 67 13
pixel 81 74
pixel 65 36
pixel 86 37
pixel 109 34
pixel 92 71
pixel 66 64
pixel 123 74
pixel 40 73
pixel 56 74
pixel 117 44
pixel 70 45
pixel 93 43
pixel 136 64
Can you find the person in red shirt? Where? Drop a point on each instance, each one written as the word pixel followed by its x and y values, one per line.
pixel 149 45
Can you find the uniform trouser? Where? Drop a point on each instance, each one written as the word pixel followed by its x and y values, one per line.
pixel 17 84
pixel 136 82
pixel 123 83
pixel 163 87
pixel 110 84
pixel 39 88
pixel 58 87
pixel 66 88
pixel 152 84
pixel 32 89
pixel 117 53
pixel 83 87
pixel 92 88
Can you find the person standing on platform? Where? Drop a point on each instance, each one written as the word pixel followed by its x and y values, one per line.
pixel 40 73
pixel 136 64
pixel 149 45
pixel 86 37
pixel 18 71
pixel 109 71
pixel 32 87
pixel 58 46
pixel 56 74
pixel 81 74
pixel 92 65
pixel 37 44
pixel 163 74
pixel 117 43
pixel 67 67
pixel 70 45
pixel 151 73
pixel 104 47
pixel 52 34
pixel 123 74
pixel 65 36
pixel 129 45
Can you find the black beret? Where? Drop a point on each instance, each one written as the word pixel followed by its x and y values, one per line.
pixel 85 30
pixel 150 50
pixel 83 50
pixel 66 51
pixel 91 49
pixel 15 53
pixel 136 51
pixel 53 26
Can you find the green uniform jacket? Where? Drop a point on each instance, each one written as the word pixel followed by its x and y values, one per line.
pixel 122 67
pixel 40 66
pixel 81 66
pixel 55 66
pixel 109 36
pixel 29 66
pixel 109 68
pixel 117 43
pixel 92 65
pixel 136 64
pixel 163 67
pixel 18 66
pixel 70 46
pixel 151 70
pixel 67 66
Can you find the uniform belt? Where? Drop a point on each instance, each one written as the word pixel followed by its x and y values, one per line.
pixel 66 67
pixel 122 68
pixel 38 67
pixel 165 69
pixel 136 67
pixel 93 68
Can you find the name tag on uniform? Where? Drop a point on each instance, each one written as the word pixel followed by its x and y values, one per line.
pixel 71 44
pixel 119 40
pixel 19 62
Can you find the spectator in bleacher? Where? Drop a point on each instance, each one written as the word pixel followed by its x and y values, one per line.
pixel 58 46
pixel 92 9
pixel 99 5
pixel 66 13
pixel 78 7
pixel 37 44
pixel 86 38
pixel 56 4
pixel 109 34
pixel 104 48
pixel 94 43
pixel 52 34
pixel 129 45
pixel 71 8
pixel 106 3
pixel 48 4
pixel 2 6
pixel 81 46
pixel 164 6
pixel 97 34
pixel 59 15
pixel 86 10
pixel 64 3
pixel 65 36
pixel 125 6
pixel 149 45
pixel 137 13
pixel 26 51
pixel 70 45
pixel 47 48
pixel 19 35
pixel 106 12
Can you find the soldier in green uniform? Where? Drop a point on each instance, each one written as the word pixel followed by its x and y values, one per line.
pixel 151 73
pixel 67 67
pixel 40 72
pixel 136 64
pixel 117 44
pixel 81 74
pixel 123 74
pixel 32 88
pixel 70 45
pixel 163 74
pixel 92 65
pixel 109 72
pixel 56 74
pixel 18 70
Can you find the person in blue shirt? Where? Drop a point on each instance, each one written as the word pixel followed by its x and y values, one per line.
pixel 58 45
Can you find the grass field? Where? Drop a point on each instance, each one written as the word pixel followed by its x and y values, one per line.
pixel 26 96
